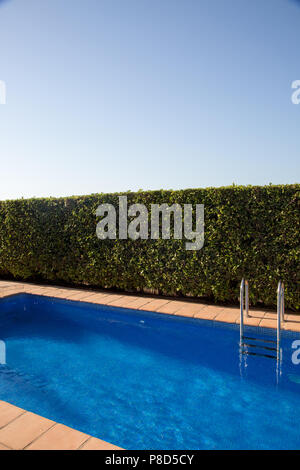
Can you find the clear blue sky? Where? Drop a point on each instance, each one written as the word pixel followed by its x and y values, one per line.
pixel 113 95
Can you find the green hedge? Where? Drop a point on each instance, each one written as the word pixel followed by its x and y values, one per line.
pixel 250 231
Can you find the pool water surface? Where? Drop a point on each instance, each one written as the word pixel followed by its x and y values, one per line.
pixel 143 380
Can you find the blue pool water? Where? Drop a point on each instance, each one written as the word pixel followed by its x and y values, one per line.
pixel 146 381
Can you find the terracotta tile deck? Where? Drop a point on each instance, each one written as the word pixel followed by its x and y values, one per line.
pixel 20 429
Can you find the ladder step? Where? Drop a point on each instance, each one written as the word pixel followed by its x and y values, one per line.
pixel 259 339
pixel 258 346
pixel 269 356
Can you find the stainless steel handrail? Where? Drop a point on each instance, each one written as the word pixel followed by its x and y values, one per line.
pixel 244 308
pixel 282 302
pixel 247 298
pixel 242 287
pixel 244 304
pixel 280 314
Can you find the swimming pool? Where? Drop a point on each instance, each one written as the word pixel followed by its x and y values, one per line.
pixel 143 380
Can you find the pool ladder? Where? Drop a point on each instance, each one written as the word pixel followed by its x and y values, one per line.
pixel 271 348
